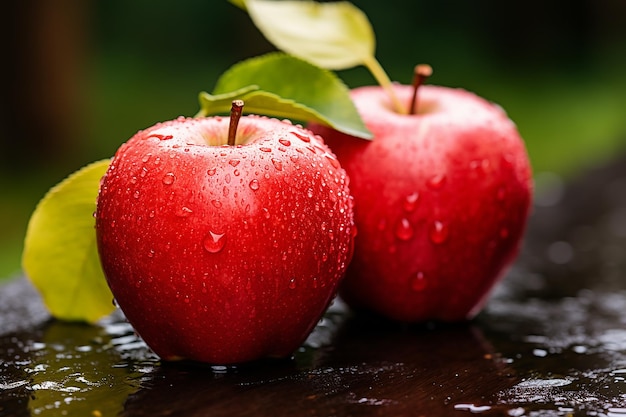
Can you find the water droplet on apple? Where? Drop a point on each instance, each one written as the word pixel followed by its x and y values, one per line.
pixel 333 161
pixel 234 162
pixel 438 232
pixel 266 213
pixel 437 182
pixel 292 284
pixel 184 212
pixel 404 230
pixel 254 185
pixel 309 192
pixel 151 214
pixel 136 194
pixel 160 137
pixel 277 164
pixel 214 242
pixel 410 201
pixel 284 142
pixel 144 171
pixel 151 253
pixel 169 178
pixel 265 149
pixel 146 158
pixel 210 172
pixel 418 282
pixel 303 137
pixel 227 178
pixel 216 203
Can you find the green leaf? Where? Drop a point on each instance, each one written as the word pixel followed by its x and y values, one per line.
pixel 334 35
pixel 311 93
pixel 60 255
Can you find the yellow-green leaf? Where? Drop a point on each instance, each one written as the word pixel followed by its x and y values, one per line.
pixel 333 35
pixel 60 254
pixel 311 93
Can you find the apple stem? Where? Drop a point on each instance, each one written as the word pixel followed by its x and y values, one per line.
pixel 235 115
pixel 372 64
pixel 420 74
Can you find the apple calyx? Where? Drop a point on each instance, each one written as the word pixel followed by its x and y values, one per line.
pixel 420 73
pixel 235 115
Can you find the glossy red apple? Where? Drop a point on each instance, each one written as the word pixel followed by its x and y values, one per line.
pixel 441 202
pixel 224 254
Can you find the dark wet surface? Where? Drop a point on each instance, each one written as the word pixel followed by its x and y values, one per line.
pixel 551 342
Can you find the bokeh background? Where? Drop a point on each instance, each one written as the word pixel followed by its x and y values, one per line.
pixel 81 77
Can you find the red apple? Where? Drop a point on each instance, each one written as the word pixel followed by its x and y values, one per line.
pixel 224 254
pixel 441 202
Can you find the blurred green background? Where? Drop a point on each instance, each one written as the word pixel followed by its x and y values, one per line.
pixel 81 77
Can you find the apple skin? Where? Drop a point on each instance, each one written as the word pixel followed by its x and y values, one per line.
pixel 441 202
pixel 224 254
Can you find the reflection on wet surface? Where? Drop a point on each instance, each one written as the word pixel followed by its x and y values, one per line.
pixel 551 342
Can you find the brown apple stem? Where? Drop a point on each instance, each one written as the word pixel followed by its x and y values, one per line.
pixel 420 74
pixel 235 114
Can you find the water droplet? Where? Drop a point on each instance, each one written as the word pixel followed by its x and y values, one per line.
pixel 309 192
pixel 216 203
pixel 151 253
pixel 146 158
pixel 438 232
pixel 474 409
pixel 214 242
pixel 169 178
pixel 292 283
pixel 136 194
pixel 160 137
pixel 333 161
pixel 265 149
pixel 144 171
pixel 300 135
pixel 254 185
pixel 266 213
pixel 227 178
pixel 184 212
pixel 210 172
pixel 277 164
pixel 404 230
pixel 436 182
pixel 418 282
pixel 410 201
pixel 234 162
pixel 284 142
